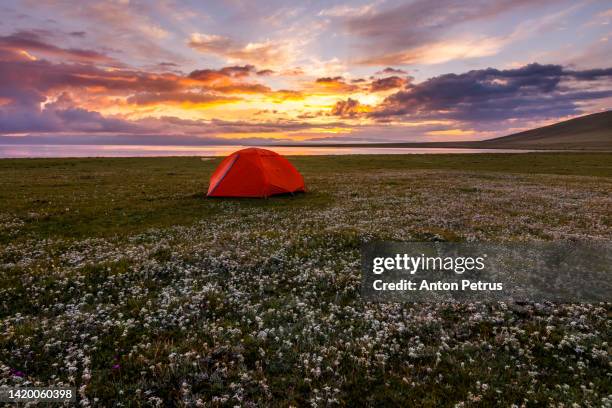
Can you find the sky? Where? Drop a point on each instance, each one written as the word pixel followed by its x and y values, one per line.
pixel 259 72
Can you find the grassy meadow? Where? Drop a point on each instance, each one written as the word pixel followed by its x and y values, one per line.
pixel 120 278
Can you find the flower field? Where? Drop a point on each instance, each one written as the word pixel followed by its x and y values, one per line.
pixel 120 278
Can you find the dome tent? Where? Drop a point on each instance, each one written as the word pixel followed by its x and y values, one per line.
pixel 254 172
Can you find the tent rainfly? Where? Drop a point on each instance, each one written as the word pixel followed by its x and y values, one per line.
pixel 255 172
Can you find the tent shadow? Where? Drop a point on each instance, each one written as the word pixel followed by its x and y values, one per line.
pixel 283 196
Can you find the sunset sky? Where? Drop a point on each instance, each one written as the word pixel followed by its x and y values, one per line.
pixel 178 72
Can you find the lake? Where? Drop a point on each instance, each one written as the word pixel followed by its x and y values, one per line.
pixel 21 151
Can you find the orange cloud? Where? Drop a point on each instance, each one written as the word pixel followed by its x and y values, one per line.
pixel 242 88
pixel 287 95
pixel 440 52
pixel 334 84
pixel 349 108
pixel 188 99
pixel 451 132
pixel 267 53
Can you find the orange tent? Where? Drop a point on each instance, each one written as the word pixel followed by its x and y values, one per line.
pixel 254 172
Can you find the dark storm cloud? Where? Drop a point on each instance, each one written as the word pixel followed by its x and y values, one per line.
pixel 532 91
pixel 590 74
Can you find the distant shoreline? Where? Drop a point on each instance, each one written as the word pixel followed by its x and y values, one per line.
pixel 453 145
pixel 590 133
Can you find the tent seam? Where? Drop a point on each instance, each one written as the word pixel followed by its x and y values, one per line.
pixel 263 173
pixel 224 174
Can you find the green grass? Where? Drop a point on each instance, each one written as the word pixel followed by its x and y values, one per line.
pixel 122 196
pixel 107 262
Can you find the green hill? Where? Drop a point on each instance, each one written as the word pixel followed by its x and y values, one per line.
pixel 590 132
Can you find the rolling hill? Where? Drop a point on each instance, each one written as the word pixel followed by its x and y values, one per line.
pixel 589 132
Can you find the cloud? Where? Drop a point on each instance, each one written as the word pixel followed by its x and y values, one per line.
pixel 425 15
pixel 34 93
pixel 489 95
pixel 597 53
pixel 266 54
pixel 33 43
pixel 394 71
pixel 164 66
pixel 60 116
pixel 238 71
pixel 215 44
pixel 179 98
pixel 292 72
pixel 349 108
pixel 344 10
pixel 385 84
pixel 338 84
pixel 62 122
pixel 143 139
pixel 37 67
pixel 330 80
pixel 130 28
pixel 287 95
pixel 440 52
pixel 334 84
pixel 243 88
pixel 423 39
pixel 44 76
pixel 265 72
pixel 211 75
pixel 227 80
pixel 603 17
